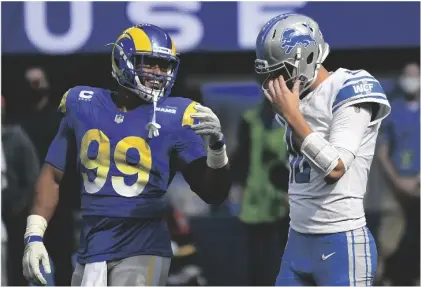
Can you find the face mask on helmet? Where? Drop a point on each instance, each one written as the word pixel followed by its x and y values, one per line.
pixel 286 70
pixel 149 75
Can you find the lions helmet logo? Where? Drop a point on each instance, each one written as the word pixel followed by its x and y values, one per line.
pixel 299 35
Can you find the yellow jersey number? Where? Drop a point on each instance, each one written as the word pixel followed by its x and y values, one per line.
pixel 102 163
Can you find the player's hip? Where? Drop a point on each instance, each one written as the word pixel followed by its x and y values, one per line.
pixel 125 207
pixel 139 270
pixel 343 258
pixel 105 239
pixel 312 226
pixel 327 215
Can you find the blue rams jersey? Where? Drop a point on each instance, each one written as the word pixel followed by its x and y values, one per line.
pixel 124 173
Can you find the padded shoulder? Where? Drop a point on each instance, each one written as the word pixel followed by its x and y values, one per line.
pixel 75 94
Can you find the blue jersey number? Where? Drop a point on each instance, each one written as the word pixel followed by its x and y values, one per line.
pixel 100 163
pixel 300 168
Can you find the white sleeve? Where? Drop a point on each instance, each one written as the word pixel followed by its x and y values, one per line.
pixel 348 127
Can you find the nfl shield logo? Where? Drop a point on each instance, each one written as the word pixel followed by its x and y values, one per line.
pixel 119 119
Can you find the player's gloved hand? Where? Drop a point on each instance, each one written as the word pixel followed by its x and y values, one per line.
pixel 35 251
pixel 208 125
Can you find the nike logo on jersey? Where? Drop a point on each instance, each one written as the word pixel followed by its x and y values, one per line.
pixel 324 257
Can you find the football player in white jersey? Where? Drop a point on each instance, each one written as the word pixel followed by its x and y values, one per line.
pixel 332 121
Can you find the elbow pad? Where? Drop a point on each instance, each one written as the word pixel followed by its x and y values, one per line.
pixel 320 152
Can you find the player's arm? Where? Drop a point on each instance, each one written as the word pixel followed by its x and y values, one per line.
pixel 208 174
pixel 316 149
pixel 47 191
pixel 335 155
pixel 45 202
pixel 333 158
pixel 212 185
pixel 347 132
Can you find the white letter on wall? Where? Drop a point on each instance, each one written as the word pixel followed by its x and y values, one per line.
pixel 190 28
pixel 35 18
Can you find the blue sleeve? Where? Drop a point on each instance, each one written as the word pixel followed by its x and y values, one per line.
pixel 359 89
pixel 189 147
pixel 57 152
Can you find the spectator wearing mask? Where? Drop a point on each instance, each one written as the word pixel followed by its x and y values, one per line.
pixel 399 156
pixel 18 182
pixel 41 124
pixel 260 169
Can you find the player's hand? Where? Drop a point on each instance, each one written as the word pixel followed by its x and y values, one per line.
pixel 208 125
pixel 35 253
pixel 285 101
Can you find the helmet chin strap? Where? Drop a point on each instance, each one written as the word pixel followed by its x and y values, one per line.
pixel 153 126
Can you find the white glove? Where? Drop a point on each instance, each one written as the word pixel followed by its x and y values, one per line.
pixel 208 125
pixel 35 251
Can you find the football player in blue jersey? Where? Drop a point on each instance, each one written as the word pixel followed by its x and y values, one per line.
pixel 130 143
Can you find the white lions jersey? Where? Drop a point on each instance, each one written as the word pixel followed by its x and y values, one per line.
pixel 316 207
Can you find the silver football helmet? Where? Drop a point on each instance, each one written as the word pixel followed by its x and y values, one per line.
pixel 291 45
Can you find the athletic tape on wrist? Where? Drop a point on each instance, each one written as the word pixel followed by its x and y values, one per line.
pixel 35 225
pixel 217 158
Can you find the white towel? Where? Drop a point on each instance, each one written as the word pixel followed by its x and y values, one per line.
pixel 95 274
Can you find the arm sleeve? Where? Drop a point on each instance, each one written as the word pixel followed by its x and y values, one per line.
pixel 57 152
pixel 348 128
pixel 188 147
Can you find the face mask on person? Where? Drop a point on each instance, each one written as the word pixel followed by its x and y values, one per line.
pixel 410 84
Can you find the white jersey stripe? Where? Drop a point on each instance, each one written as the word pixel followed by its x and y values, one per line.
pixel 351 258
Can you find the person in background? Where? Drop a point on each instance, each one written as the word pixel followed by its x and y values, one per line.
pixel 260 168
pixel 41 124
pixel 399 155
pixel 42 119
pixel 18 182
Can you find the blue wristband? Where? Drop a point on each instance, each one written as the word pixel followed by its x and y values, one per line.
pixel 30 239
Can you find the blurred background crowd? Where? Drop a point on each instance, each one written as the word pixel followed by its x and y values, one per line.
pixel 47 51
